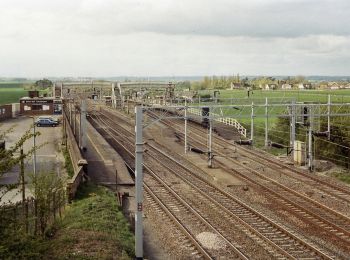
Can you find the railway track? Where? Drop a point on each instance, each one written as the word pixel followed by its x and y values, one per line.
pixel 184 216
pixel 331 189
pixel 325 217
pixel 287 244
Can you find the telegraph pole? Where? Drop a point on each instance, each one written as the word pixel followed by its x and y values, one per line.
pixel 329 117
pixel 83 130
pixel 252 123
pixel 266 123
pixel 75 120
pixel 292 128
pixel 139 184
pixel 186 126
pixel 310 149
pixel 210 153
pixel 311 121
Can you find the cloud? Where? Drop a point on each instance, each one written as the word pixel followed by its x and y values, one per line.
pixel 165 37
pixel 271 18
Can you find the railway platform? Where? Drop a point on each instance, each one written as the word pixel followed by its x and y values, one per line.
pixel 106 167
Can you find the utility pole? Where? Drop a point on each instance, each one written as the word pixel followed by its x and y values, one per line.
pixel 113 96
pixel 210 153
pixel 310 149
pixel 25 211
pixel 329 117
pixel 139 184
pixel 292 127
pixel 34 144
pixel 252 123
pixel 75 120
pixel 311 121
pixel 266 123
pixel 70 112
pixel 121 97
pixel 83 130
pixel 186 126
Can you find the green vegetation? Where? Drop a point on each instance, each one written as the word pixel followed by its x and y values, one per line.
pixel 93 227
pixel 11 95
pixel 68 163
pixel 343 176
pixel 11 92
pixel 43 84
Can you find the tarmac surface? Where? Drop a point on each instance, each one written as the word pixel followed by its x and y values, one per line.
pixel 48 157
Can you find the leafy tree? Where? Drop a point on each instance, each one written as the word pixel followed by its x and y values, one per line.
pixel 50 196
pixel 7 158
pixel 43 84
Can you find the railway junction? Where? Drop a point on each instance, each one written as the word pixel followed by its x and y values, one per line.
pixel 190 180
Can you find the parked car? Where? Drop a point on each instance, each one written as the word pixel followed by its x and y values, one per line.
pixel 46 122
pixel 49 117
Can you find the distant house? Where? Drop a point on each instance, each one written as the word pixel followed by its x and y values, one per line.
pixel 301 86
pixel 270 86
pixel 236 85
pixel 333 85
pixel 347 86
pixel 286 86
pixel 304 86
pixel 323 85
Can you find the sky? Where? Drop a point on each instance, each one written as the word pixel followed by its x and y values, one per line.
pixel 104 38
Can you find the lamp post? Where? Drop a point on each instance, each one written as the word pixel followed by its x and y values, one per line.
pixel 34 145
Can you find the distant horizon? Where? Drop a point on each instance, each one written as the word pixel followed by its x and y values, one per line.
pixel 193 77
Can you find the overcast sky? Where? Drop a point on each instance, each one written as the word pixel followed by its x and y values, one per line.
pixel 174 37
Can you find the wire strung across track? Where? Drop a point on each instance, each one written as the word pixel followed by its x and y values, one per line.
pixel 335 190
pixel 326 218
pixel 266 229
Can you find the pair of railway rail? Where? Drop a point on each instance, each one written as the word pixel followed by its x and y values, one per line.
pixel 322 216
pixel 281 242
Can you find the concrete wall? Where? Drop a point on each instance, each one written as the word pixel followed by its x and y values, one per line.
pixel 5 112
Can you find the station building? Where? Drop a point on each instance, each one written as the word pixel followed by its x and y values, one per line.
pixel 40 106
pixel 6 112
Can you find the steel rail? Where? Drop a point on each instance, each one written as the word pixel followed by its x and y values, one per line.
pixel 281 228
pixel 153 174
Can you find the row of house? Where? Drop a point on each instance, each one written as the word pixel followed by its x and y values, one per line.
pixel 300 86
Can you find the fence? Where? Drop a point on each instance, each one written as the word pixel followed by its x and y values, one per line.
pixel 225 120
pixel 78 162
pixel 32 216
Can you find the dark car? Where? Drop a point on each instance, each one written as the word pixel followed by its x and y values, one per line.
pixel 46 122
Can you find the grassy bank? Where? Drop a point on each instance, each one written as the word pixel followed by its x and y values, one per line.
pixel 92 227
pixel 68 163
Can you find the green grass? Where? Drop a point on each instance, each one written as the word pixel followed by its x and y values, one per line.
pixel 68 163
pixel 93 228
pixel 343 176
pixel 12 92
pixel 299 95
pixel 11 95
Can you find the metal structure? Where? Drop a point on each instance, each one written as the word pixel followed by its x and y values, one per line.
pixel 76 111
pixel 332 109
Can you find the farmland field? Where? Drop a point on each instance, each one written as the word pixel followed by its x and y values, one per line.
pixel 342 95
pixel 11 95
pixel 240 108
pixel 237 98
